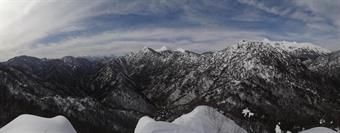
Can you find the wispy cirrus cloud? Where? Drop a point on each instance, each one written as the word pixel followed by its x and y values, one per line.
pixel 56 28
pixel 321 14
pixel 122 42
pixel 27 21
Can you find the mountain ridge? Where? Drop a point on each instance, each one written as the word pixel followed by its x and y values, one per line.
pixel 278 85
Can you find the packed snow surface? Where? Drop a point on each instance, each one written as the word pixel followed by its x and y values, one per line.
pixel 319 130
pixel 202 119
pixel 35 124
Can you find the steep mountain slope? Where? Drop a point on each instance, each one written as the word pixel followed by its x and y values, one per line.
pixel 25 91
pixel 279 82
pixel 65 72
pixel 328 65
pixel 268 79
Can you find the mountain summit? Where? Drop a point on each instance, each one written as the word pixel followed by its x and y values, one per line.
pixel 277 82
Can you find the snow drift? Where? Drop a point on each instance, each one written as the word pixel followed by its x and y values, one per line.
pixel 202 119
pixel 35 124
pixel 319 130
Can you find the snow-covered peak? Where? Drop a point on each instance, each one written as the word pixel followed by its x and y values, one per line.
pixel 293 46
pixel 180 50
pixel 148 50
pixel 202 119
pixel 164 48
pixel 36 124
pixel 243 42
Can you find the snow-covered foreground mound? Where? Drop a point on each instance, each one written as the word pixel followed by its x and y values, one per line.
pixel 35 124
pixel 202 119
pixel 319 130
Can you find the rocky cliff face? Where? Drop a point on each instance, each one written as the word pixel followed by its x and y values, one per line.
pixel 296 85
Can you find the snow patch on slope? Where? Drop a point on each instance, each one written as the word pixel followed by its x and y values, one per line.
pixel 35 124
pixel 180 50
pixel 164 48
pixel 202 119
pixel 247 113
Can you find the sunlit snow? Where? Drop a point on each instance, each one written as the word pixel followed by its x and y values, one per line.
pixel 35 124
pixel 319 130
pixel 202 119
pixel 247 113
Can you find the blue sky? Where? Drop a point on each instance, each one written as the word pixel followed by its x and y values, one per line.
pixel 56 28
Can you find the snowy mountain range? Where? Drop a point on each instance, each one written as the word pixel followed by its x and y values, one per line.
pixel 294 84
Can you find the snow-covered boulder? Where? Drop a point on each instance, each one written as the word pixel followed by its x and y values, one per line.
pixel 148 125
pixel 202 119
pixel 36 124
pixel 319 130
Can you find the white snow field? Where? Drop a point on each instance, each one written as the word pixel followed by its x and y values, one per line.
pixel 202 119
pixel 35 124
pixel 319 130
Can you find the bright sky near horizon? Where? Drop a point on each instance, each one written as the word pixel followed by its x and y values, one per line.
pixel 56 28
